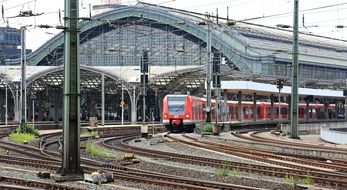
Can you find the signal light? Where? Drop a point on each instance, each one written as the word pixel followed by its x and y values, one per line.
pixel 144 79
pixel 216 81
pixel 279 83
pixel 216 63
pixel 144 62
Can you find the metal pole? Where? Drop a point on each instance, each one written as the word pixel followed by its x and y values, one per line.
pixel 133 107
pixel 23 80
pixel 279 104
pixel 294 99
pixel 71 132
pixel 208 72
pixel 102 99
pixel 144 103
pixel 17 114
pixel 33 109
pixel 122 105
pixel 216 106
pixel 6 109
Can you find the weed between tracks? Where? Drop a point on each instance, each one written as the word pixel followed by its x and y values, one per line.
pixel 235 172
pixel 21 137
pixel 291 180
pixel 206 128
pixel 97 151
pixel 25 134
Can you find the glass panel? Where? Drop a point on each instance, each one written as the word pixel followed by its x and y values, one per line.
pixel 176 104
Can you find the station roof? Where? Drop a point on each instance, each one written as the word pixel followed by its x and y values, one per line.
pixel 260 40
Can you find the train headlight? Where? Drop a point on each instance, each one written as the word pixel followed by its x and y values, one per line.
pixel 187 115
pixel 165 116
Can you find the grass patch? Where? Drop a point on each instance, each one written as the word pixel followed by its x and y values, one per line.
pixel 27 128
pixel 206 128
pixel 93 133
pixel 307 180
pixel 290 180
pixel 21 137
pixel 236 172
pixel 223 171
pixel 90 133
pixel 97 151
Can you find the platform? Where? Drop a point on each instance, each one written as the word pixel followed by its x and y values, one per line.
pixel 334 135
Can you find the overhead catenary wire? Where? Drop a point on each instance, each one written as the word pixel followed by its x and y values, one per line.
pixel 289 13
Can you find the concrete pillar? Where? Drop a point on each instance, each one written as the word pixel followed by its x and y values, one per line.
pixel 254 111
pixel 272 107
pixel 326 105
pixel 17 111
pixel 307 115
pixel 226 108
pixel 239 107
pixel 289 107
pixel 102 99
pixel 133 106
pixel 57 103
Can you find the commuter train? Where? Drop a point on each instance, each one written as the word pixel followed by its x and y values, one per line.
pixel 183 112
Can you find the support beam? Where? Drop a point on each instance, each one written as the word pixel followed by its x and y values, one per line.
pixel 6 106
pixel 133 106
pixel 326 113
pixel 102 99
pixel 17 112
pixel 226 110
pixel 122 103
pixel 272 106
pixel 307 111
pixel 254 107
pixel 208 72
pixel 295 70
pixel 239 107
pixel 71 133
pixel 23 80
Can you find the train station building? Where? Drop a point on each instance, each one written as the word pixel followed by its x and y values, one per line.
pixel 112 44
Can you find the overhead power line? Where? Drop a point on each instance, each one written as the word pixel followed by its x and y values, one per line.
pixel 287 13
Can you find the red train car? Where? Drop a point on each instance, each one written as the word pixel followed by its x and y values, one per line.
pixel 183 112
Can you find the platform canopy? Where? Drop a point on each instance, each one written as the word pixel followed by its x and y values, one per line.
pixel 248 87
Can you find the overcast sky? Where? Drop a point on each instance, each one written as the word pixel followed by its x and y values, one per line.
pixel 317 19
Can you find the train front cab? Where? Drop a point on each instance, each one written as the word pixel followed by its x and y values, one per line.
pixel 177 113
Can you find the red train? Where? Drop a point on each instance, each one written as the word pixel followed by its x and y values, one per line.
pixel 183 112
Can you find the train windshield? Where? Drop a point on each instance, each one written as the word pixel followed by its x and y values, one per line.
pixel 176 104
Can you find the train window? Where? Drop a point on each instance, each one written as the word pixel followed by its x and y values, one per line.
pixel 176 105
pixel 268 111
pixel 283 110
pixel 247 111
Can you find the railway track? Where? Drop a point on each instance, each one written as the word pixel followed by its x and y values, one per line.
pixel 272 157
pixel 260 156
pixel 319 177
pixel 119 172
pixel 253 137
pixel 129 174
pixel 24 184
pixel 276 158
